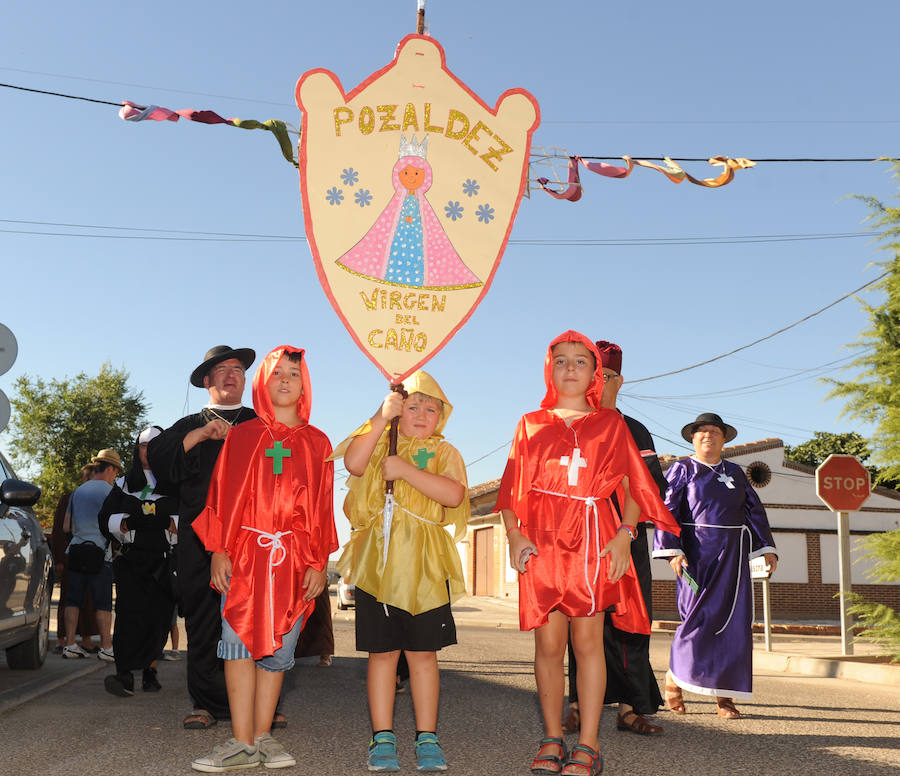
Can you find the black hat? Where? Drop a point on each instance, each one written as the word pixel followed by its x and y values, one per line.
pixel 218 354
pixel 708 419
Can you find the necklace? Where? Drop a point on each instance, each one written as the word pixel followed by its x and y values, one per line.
pixel 215 414
pixel 725 479
pixel 278 452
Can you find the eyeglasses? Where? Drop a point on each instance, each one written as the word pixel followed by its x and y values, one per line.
pixel 607 376
pixel 222 369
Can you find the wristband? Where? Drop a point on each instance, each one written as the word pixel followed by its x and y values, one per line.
pixel 632 531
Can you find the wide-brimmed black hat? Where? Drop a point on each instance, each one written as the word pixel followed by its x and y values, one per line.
pixel 218 354
pixel 708 419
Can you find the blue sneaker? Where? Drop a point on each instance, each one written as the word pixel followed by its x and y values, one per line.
pixel 383 752
pixel 429 756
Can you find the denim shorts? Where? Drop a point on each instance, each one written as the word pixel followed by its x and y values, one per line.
pixel 232 648
pixel 100 585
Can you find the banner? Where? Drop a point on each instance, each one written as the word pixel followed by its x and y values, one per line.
pixel 410 186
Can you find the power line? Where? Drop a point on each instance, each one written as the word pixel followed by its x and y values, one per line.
pixel 144 86
pixel 767 337
pixel 60 94
pixel 598 122
pixel 544 156
pixel 799 375
pixel 525 242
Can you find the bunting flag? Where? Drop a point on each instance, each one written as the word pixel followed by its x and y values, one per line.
pixel 132 112
pixel 572 191
pixel 572 187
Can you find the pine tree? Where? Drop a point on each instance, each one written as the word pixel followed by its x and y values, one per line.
pixel 874 394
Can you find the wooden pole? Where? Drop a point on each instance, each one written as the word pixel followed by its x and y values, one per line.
pixel 393 434
pixel 420 18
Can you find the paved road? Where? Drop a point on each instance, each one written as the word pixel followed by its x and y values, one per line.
pixel 489 721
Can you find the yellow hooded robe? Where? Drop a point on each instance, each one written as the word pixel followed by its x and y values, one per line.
pixel 422 558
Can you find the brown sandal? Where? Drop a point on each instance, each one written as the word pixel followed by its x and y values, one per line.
pixel 726 709
pixel 638 724
pixel 674 698
pixel 572 722
pixel 199 719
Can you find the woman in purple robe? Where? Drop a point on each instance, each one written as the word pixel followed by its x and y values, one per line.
pixel 723 524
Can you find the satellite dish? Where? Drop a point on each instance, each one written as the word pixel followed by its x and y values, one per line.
pixel 9 349
pixel 4 411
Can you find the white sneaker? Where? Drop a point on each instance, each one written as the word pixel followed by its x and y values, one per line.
pixel 106 655
pixel 74 652
pixel 230 756
pixel 272 754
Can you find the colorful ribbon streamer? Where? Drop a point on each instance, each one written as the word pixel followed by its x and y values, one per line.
pixel 670 169
pixel 132 112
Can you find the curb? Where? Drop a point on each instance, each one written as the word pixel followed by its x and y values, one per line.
pixel 19 695
pixel 828 667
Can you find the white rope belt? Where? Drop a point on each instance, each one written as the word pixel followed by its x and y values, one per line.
pixel 277 554
pixel 745 532
pixel 390 504
pixel 590 507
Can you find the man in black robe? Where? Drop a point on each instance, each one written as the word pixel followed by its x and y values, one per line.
pixel 629 677
pixel 183 458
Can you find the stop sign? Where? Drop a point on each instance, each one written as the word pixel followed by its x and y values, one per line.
pixel 843 483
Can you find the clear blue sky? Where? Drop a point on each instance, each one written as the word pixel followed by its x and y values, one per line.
pixel 696 79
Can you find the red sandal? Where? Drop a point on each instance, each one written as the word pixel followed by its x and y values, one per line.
pixel 549 763
pixel 573 767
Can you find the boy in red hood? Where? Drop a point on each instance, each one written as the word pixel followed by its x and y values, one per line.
pixel 269 525
pixel 572 551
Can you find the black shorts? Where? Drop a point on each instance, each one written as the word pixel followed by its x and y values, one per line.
pixel 378 630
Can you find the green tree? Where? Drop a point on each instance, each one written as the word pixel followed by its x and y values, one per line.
pixel 816 450
pixel 881 624
pixel 823 444
pixel 874 394
pixel 59 425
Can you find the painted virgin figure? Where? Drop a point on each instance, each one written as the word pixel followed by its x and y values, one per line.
pixel 407 245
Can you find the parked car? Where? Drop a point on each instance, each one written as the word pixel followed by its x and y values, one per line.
pixel 26 584
pixel 346 594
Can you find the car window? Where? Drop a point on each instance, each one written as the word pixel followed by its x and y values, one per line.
pixel 6 468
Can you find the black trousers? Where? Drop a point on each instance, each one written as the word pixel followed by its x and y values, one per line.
pixel 143 609
pixel 200 606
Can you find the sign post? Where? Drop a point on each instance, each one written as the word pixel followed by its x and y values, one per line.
pixel 760 570
pixel 843 484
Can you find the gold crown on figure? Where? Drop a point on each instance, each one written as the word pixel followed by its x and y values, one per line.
pixel 412 148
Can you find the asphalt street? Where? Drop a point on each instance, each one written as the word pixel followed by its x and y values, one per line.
pixel 63 722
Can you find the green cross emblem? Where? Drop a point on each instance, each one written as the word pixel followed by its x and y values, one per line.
pixel 421 458
pixel 277 453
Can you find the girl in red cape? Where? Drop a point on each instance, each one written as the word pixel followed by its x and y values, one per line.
pixel 567 542
pixel 269 525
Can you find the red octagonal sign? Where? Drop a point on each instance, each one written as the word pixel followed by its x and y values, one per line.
pixel 843 483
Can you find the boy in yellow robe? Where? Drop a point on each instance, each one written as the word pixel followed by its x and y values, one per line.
pixel 402 558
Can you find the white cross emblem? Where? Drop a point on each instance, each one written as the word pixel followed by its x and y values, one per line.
pixel 727 479
pixel 576 463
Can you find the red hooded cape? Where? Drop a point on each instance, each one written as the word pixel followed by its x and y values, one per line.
pixel 273 526
pixel 555 479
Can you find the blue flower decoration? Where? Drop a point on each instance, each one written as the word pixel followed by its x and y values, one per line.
pixel 363 197
pixel 470 188
pixel 334 195
pixel 349 176
pixel 454 210
pixel 485 214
